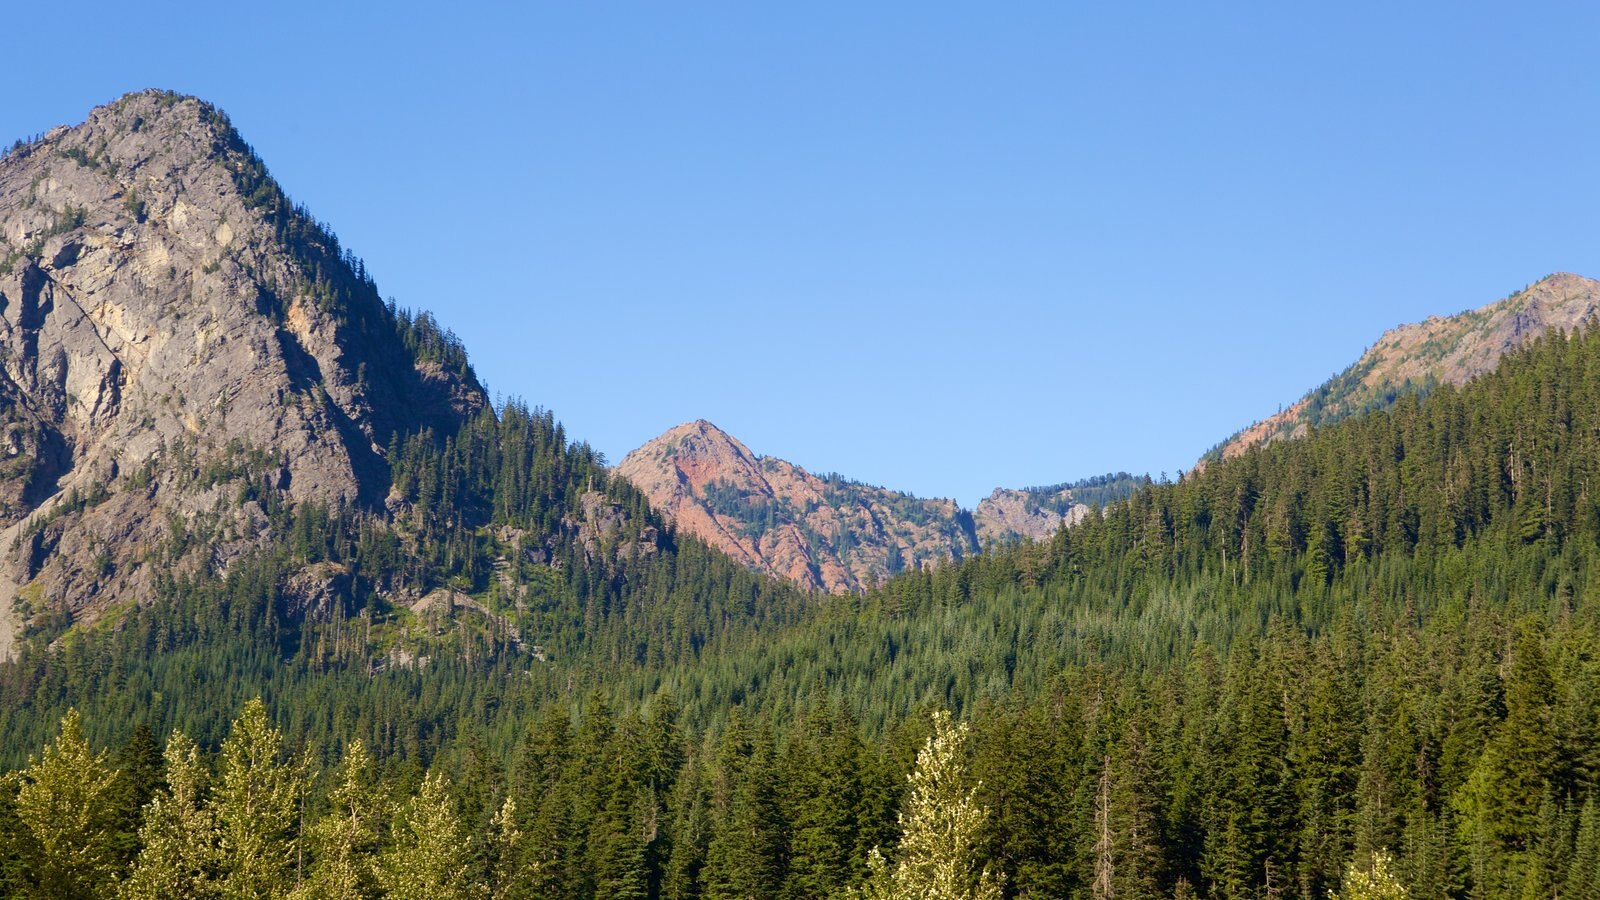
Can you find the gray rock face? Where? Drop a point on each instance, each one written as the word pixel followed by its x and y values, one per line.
pixel 168 325
pixel 1007 516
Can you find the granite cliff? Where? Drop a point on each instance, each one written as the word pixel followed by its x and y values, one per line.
pixel 173 331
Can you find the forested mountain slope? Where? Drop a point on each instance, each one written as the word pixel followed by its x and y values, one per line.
pixel 1379 640
pixel 1441 350
pixel 286 480
pixel 1377 646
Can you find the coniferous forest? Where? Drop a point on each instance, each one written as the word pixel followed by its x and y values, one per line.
pixel 1364 662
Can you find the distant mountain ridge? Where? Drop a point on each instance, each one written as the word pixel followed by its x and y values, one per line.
pixel 1411 359
pixel 821 533
pixel 829 533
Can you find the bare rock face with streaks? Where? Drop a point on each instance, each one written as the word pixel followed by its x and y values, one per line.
pixel 1440 350
pixel 821 533
pixel 170 329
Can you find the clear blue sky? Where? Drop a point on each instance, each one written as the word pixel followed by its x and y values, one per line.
pixel 935 246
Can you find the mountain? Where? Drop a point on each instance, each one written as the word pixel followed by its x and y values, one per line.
pixel 173 330
pixel 1379 636
pixel 827 532
pixel 1440 350
pixel 223 446
pixel 819 532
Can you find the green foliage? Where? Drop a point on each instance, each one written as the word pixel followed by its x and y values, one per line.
pixel 135 205
pixel 939 856
pixel 258 807
pixel 345 839
pixel 64 803
pixel 180 855
pixel 1376 880
pixel 67 220
pixel 428 859
pixel 1382 636
pixel 1097 491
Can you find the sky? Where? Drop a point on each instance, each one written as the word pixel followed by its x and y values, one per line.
pixel 940 247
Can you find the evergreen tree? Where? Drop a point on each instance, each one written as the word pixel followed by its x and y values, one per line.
pixel 1133 821
pixel 1499 803
pixel 140 764
pixel 747 855
pixel 512 869
pixel 691 829
pixel 1583 874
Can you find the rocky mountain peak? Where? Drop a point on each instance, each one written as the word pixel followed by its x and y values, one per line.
pixel 170 323
pixel 1438 350
pixel 1009 514
pixel 830 533
pixel 823 533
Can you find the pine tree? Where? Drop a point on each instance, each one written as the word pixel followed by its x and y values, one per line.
pixel 1426 863
pixel 1550 858
pixel 1583 874
pixel 691 830
pixel 430 859
pixel 821 785
pixel 258 808
pixel 939 853
pixel 139 761
pixel 1499 803
pixel 618 848
pixel 747 854
pixel 1133 822
pixel 180 854
pixel 67 806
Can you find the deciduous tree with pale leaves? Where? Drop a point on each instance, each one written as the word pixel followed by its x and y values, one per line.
pixel 180 855
pixel 938 857
pixel 64 802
